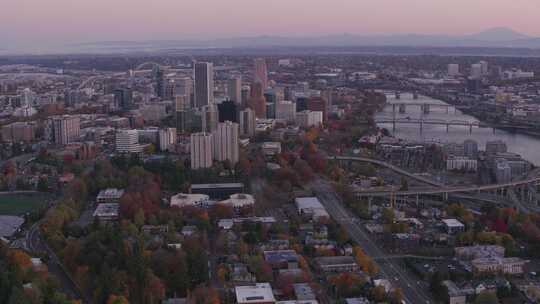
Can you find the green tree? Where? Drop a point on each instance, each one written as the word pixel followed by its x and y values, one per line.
pixel 404 184
pixel 139 218
pixel 486 297
pixel 43 185
pixel 388 215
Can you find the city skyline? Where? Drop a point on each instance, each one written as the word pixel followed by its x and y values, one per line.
pixel 29 23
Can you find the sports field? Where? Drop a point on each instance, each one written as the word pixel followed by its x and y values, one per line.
pixel 19 204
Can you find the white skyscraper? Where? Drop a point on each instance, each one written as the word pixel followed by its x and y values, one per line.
pixel 247 122
pixel 127 141
pixel 307 118
pixel 476 71
pixel 225 141
pixel 167 138
pixel 204 84
pixel 453 69
pixel 286 110
pixel 261 73
pixel 234 89
pixel 201 150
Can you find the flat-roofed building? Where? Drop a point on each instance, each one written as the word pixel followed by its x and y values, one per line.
pixel 110 195
pixel 337 264
pixel 271 148
pixel 190 200
pixel 239 201
pixel 218 191
pixel 107 212
pixel 311 207
pixel 453 226
pixel 281 259
pixel 259 293
pixel 511 266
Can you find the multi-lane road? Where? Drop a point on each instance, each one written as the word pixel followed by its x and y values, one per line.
pixel 413 290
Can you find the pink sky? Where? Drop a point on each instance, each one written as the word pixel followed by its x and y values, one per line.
pixel 35 21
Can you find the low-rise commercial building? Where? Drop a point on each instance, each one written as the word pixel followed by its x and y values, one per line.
pixel 190 200
pixel 259 293
pixel 110 195
pixel 336 264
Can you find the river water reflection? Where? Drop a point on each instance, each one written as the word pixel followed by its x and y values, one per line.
pixel 527 146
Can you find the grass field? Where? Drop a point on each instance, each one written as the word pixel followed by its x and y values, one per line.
pixel 19 204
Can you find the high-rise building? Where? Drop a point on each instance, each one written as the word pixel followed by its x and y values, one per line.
pixel 453 69
pixel 234 89
pixel 257 102
pixel 123 98
pixel 228 111
pixel 225 142
pixel 63 130
pixel 181 108
pixel 28 97
pixel 260 74
pixel 184 86
pixel 210 118
pixel 169 90
pixel 247 122
pixel 201 150
pixel 204 84
pixel 245 96
pixel 476 71
pixel 167 138
pixel 328 96
pixel 307 118
pixel 159 79
pixel 485 67
pixel 318 104
pixel 127 141
pixel 286 110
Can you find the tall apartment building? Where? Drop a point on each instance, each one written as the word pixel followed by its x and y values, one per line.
pixel 62 130
pixel 127 141
pixel 286 110
pixel 307 118
pixel 476 71
pixel 204 84
pixel 453 69
pixel 225 141
pixel 247 122
pixel 234 89
pixel 260 74
pixel 167 138
pixel 201 150
pixel 123 98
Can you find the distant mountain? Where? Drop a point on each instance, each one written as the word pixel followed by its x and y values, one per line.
pixel 491 38
pixel 498 34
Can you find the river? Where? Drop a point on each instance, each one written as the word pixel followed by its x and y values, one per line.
pixel 528 147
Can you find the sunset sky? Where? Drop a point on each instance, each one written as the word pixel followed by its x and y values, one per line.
pixel 31 22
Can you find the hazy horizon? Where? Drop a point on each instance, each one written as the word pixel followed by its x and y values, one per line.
pixel 33 23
